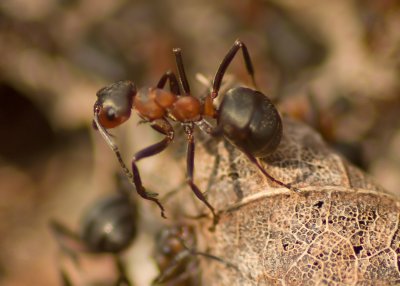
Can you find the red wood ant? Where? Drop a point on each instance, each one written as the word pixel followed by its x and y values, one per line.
pixel 246 117
pixel 177 258
pixel 173 256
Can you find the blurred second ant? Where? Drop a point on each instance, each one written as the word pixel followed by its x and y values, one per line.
pixel 177 257
pixel 109 226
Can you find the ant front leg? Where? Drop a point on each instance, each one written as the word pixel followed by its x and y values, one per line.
pixel 190 171
pixel 227 61
pixel 165 128
pixel 135 177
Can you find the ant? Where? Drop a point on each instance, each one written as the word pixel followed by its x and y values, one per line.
pixel 173 256
pixel 245 117
pixel 108 226
pixel 177 258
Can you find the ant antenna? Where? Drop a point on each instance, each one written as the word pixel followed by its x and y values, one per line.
pixel 112 145
pixel 144 194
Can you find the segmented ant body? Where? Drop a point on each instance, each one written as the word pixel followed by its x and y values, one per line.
pixel 174 258
pixel 177 257
pixel 246 117
pixel 108 226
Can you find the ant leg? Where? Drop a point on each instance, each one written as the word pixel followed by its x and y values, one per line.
pixel 69 244
pixel 216 132
pixel 133 178
pixel 265 173
pixel 165 128
pixel 123 279
pixel 173 82
pixel 190 170
pixel 66 281
pixel 181 69
pixel 168 276
pixel 227 61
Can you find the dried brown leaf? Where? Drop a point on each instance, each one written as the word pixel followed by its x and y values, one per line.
pixel 341 229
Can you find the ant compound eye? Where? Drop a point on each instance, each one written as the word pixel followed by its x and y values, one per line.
pixel 114 103
pixel 110 114
pixel 109 118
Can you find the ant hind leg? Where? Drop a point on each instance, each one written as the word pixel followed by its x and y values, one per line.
pixel 265 173
pixel 173 82
pixel 227 61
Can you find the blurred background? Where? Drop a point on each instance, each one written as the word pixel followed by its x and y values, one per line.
pixel 334 65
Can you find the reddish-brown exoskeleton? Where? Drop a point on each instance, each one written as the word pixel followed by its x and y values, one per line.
pixel 245 117
pixel 177 257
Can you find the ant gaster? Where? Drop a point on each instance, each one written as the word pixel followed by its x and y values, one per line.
pixel 108 226
pixel 246 117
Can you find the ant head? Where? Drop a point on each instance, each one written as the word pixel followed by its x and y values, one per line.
pixel 172 241
pixel 173 255
pixel 114 103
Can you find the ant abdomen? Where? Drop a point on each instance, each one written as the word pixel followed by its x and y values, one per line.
pixel 109 226
pixel 249 120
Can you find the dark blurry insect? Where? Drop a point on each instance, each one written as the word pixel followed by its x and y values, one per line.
pixel 177 257
pixel 173 257
pixel 246 117
pixel 108 226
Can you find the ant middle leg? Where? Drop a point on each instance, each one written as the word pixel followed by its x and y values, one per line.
pixel 227 61
pixel 181 69
pixel 173 82
pixel 190 171
pixel 165 128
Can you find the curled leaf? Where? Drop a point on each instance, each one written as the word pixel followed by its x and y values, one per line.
pixel 341 229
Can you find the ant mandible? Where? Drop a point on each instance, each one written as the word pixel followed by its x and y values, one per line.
pixel 246 117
